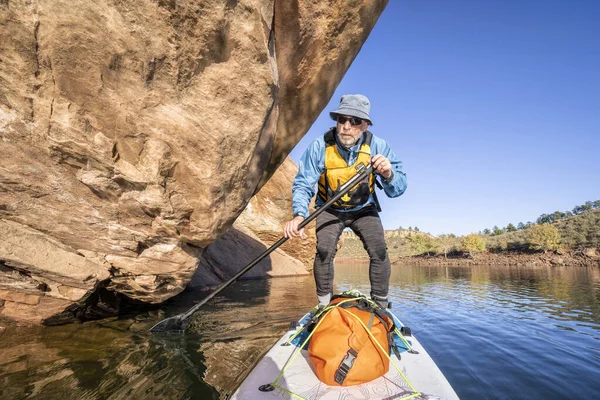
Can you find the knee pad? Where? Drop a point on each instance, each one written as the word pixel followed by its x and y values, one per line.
pixel 379 253
pixel 325 251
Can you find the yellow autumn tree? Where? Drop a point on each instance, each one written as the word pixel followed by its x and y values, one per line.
pixel 446 242
pixel 473 244
pixel 422 244
pixel 544 236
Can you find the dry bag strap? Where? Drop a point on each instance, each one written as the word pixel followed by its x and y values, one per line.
pixel 348 361
pixel 344 368
pixel 364 305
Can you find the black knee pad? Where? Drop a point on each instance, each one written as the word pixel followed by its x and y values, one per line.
pixel 379 253
pixel 325 251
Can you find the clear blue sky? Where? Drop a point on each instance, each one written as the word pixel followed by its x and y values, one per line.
pixel 493 106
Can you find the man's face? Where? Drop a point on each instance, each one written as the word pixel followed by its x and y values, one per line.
pixel 347 133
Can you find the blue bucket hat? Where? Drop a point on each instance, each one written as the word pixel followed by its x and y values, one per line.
pixel 354 105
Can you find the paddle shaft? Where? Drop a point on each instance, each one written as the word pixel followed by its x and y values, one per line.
pixel 362 174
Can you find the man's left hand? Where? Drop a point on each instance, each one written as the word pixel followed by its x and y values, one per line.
pixel 382 166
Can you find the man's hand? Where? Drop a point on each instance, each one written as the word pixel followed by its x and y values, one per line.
pixel 290 230
pixel 382 166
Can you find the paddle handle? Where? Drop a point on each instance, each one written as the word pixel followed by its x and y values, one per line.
pixel 363 172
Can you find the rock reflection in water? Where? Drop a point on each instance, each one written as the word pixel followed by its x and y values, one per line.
pixel 243 325
pixel 116 360
pixel 119 359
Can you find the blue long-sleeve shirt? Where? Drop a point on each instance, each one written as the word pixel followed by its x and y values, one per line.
pixel 312 165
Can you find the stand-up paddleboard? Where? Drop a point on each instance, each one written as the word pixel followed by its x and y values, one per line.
pixel 285 372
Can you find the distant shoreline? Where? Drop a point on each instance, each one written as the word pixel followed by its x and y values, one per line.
pixel 517 259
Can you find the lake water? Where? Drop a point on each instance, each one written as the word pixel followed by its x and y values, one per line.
pixel 495 332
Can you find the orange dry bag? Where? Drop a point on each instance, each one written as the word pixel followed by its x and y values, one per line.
pixel 342 351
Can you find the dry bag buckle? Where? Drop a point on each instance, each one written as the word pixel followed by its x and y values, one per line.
pixel 345 366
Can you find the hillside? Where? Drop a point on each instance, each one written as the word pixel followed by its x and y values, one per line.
pixel 398 242
pixel 576 232
pixel 578 236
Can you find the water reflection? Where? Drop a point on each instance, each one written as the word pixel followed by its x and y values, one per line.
pixel 239 328
pixel 560 294
pixel 507 331
pixel 118 359
pixel 497 332
pixel 114 359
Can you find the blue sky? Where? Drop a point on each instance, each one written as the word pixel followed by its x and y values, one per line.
pixel 493 106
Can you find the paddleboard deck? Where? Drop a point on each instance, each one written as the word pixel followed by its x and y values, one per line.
pixel 298 378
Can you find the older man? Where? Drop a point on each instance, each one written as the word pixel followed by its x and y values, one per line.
pixel 327 164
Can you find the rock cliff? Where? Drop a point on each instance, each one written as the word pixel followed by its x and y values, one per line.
pixel 133 134
pixel 258 227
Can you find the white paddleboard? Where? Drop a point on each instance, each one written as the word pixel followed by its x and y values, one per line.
pixel 426 379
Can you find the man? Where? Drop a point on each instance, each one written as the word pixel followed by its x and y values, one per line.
pixel 331 161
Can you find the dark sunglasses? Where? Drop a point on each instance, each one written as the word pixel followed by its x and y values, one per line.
pixel 353 120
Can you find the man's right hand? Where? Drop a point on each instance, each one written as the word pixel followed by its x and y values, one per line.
pixel 290 230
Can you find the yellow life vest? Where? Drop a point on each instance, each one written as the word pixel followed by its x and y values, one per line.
pixel 337 172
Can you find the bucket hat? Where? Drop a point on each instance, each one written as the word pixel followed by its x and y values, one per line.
pixel 354 105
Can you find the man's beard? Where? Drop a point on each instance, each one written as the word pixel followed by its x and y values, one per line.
pixel 347 141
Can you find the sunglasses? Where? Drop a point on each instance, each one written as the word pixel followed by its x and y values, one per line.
pixel 353 120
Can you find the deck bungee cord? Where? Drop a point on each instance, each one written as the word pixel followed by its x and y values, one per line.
pixel 319 314
pixel 318 311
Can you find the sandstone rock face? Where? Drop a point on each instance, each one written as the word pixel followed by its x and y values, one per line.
pixel 258 227
pixel 132 134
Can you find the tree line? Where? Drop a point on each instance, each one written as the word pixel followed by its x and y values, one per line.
pixel 543 219
pixel 577 233
pixel 540 237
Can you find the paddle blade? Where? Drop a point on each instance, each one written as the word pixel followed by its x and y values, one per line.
pixel 175 324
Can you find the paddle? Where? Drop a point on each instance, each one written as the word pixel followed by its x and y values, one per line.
pixel 178 323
